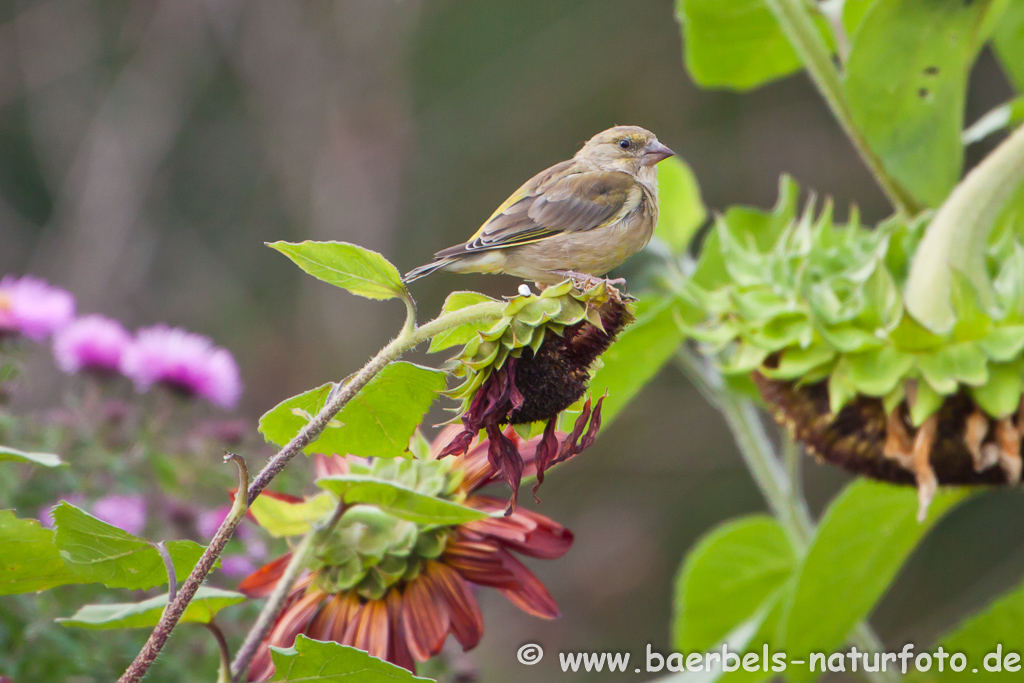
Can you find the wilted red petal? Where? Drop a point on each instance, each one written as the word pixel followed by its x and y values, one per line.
pixel 261 582
pixel 532 597
pixel 368 631
pixel 424 619
pixel 332 621
pixel 545 453
pixel 479 563
pixel 398 648
pixel 467 624
pixel 291 623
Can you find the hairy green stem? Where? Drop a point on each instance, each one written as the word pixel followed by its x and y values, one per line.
pixel 794 17
pixel 780 489
pixel 957 236
pixel 409 338
pixel 276 600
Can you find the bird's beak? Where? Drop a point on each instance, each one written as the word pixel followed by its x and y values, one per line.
pixel 654 153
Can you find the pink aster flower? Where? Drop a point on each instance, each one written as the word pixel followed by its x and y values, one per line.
pixel 32 308
pixel 92 343
pixel 184 362
pixel 127 512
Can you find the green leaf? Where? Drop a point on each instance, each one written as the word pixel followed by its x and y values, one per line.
pixel 360 271
pixel 204 606
pixel 1008 43
pixel 877 372
pixel 977 637
pixel 377 422
pixel 398 500
pixel 97 551
pixel 8 454
pixel 639 353
pixel 906 81
pixel 729 576
pixel 30 561
pixel 281 518
pixel 864 538
pixel 682 210
pixel 956 364
pixel 462 334
pixel 735 44
pixel 315 661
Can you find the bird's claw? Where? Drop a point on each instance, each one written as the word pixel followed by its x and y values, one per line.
pixel 586 281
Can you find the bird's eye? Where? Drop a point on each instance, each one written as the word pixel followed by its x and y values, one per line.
pixel 624 143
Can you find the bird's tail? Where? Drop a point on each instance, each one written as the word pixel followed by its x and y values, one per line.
pixel 423 271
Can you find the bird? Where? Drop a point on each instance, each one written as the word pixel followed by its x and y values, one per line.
pixel 577 219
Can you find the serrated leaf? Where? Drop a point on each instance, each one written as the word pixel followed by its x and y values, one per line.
pixel 906 81
pixel 398 500
pixel 145 614
pixel 97 551
pixel 681 209
pixel 727 578
pixel 462 334
pixel 863 540
pixel 314 661
pixel 377 422
pixel 8 454
pixel 360 271
pixel 30 561
pixel 281 518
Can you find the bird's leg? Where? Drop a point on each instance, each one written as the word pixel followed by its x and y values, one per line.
pixel 582 280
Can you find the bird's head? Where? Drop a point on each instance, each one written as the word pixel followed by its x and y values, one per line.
pixel 624 148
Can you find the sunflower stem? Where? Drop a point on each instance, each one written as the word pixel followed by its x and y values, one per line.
pixel 957 236
pixel 781 490
pixel 410 337
pixel 794 17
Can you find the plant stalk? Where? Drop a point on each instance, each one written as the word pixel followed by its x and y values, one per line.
pixel 794 17
pixel 408 339
pixel 780 490
pixel 276 601
pixel 957 236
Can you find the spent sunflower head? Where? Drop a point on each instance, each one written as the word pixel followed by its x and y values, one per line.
pixel 814 312
pixel 529 367
pixel 398 589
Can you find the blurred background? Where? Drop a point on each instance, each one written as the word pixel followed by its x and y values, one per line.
pixel 148 150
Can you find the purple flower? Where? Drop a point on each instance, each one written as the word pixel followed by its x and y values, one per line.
pixel 236 565
pixel 127 512
pixel 184 362
pixel 91 343
pixel 31 307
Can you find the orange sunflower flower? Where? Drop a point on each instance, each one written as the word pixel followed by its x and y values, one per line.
pixel 403 607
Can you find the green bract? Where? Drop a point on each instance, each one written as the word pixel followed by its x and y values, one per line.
pixel 798 297
pixel 372 546
pixel 524 325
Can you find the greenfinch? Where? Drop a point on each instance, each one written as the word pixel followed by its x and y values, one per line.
pixel 579 218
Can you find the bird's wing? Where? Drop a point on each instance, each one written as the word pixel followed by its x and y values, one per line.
pixel 568 197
